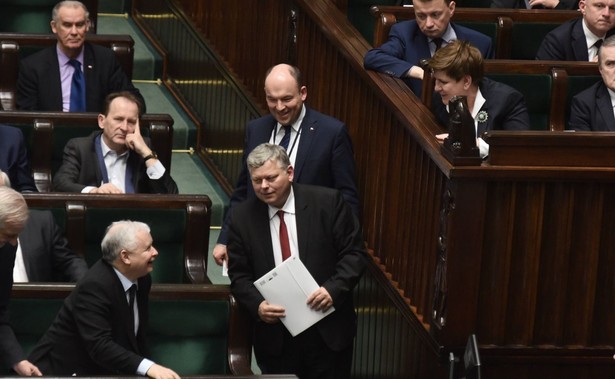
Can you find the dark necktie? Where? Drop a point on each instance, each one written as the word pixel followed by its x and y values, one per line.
pixel 438 42
pixel 597 45
pixel 284 244
pixel 132 292
pixel 286 139
pixel 77 88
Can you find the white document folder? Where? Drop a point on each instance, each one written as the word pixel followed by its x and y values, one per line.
pixel 289 285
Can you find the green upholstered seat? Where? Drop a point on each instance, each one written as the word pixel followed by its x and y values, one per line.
pixel 537 92
pixel 189 326
pixel 189 336
pixel 527 37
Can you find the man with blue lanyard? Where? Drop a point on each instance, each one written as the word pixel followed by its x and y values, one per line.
pixel 318 145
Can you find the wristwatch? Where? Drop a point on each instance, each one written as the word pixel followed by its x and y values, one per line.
pixel 152 155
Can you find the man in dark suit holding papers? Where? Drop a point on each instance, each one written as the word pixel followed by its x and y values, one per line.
pixel 315 224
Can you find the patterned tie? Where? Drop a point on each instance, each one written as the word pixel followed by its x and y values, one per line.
pixel 77 88
pixel 284 244
pixel 132 292
pixel 286 139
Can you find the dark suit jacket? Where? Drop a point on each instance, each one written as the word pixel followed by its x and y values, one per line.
pixel 10 350
pixel 93 332
pixel 324 158
pixel 504 105
pixel 46 254
pixel 80 169
pixel 566 43
pixel 407 45
pixel 591 110
pixel 14 159
pixel 330 246
pixel 39 87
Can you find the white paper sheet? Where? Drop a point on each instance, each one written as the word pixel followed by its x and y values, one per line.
pixel 289 285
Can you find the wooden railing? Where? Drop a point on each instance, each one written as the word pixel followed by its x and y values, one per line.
pixel 487 237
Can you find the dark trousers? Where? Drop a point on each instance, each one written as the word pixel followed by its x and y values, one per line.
pixel 308 356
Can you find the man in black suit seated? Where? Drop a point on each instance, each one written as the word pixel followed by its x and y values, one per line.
pixel 13 217
pixel 43 254
pixel 580 39
pixel 45 80
pixel 14 159
pixel 315 224
pixel 100 329
pixel 592 109
pixel 116 160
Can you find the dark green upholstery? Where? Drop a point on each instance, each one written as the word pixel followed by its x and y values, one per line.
pixel 33 16
pixel 30 319
pixel 189 336
pixel 360 17
pixel 527 37
pixel 190 327
pixel 537 92
pixel 487 28
pixel 179 227
pixel 34 20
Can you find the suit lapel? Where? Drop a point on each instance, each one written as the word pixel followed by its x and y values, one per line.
pixel 261 226
pixel 309 128
pixel 88 70
pixel 25 245
pixel 603 101
pixel 303 220
pixel 54 86
pixel 579 44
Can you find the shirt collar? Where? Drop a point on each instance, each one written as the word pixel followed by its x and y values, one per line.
pixel 479 101
pixel 107 150
pixel 612 96
pixel 289 206
pixel 590 37
pixel 126 283
pixel 63 58
pixel 448 35
pixel 295 125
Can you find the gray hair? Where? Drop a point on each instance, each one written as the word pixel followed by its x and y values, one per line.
pixel 69 4
pixel 13 208
pixel 267 152
pixel 608 42
pixel 121 235
pixel 4 179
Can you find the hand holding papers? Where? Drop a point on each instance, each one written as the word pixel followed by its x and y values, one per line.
pixel 289 286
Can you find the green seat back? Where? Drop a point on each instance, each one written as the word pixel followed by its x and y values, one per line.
pixel 489 29
pixel 361 18
pixel 537 92
pixel 189 336
pixel 30 319
pixel 29 16
pixel 527 37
